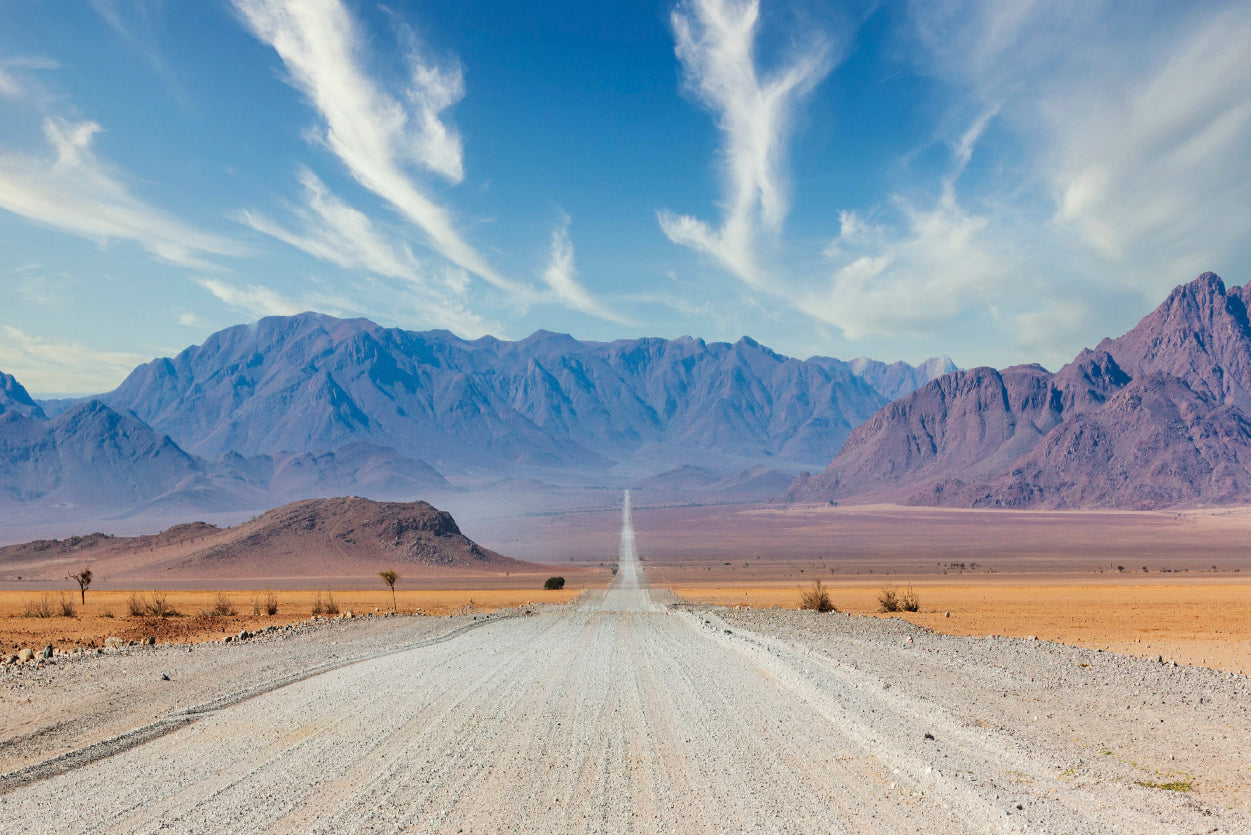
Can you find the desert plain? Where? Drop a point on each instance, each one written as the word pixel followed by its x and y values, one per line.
pixel 1040 687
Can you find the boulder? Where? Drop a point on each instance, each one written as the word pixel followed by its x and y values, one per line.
pixel 25 654
pixel 114 642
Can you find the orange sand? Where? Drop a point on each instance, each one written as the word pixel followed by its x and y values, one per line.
pixel 92 623
pixel 1207 624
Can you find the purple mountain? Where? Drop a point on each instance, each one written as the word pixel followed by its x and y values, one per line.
pixel 1160 416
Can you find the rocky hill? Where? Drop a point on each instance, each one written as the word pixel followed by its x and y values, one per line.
pixel 1160 416
pixel 314 538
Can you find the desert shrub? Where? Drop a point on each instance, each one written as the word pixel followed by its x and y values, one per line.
pixel 332 607
pixel 222 607
pixel 319 607
pixel 136 606
pixel 68 610
pixel 270 603
pixel 554 583
pixel 39 608
pixel 159 607
pixel 817 598
pixel 891 599
pixel 107 613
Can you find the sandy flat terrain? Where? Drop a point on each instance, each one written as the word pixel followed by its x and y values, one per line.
pixel 106 612
pixel 1198 623
pixel 623 714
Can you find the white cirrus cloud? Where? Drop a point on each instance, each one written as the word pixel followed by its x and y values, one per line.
pixel 254 299
pixel 561 275
pixel 77 192
pixel 333 231
pixel 48 367
pixel 716 44
pixel 376 134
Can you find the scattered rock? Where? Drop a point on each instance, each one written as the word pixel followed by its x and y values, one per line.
pixel 113 642
pixel 25 654
pixel 164 677
pixel 946 614
pixel 150 641
pixel 929 735
pixel 47 651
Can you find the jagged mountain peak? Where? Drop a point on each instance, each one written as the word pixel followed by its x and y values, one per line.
pixel 1157 416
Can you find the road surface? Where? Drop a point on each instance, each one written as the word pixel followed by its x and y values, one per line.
pixel 623 714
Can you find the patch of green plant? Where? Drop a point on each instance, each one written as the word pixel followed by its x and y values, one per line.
pixel 1171 786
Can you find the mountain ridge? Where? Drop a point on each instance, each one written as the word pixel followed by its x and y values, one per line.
pixel 1156 417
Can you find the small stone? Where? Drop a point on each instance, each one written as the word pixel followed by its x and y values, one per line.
pixel 946 614
pixel 113 641
pixel 164 677
pixel 244 635
pixel 25 654
pixel 929 735
pixel 47 651
pixel 150 641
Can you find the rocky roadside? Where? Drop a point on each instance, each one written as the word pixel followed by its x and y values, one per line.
pixel 1097 716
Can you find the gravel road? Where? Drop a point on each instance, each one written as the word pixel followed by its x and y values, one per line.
pixel 626 713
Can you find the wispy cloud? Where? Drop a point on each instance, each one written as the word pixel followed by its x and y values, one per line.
pixel 335 232
pixel 253 299
pixel 135 22
pixel 716 44
pixel 562 277
pixel 1123 169
pixel 379 136
pixel 62 367
pixel 77 192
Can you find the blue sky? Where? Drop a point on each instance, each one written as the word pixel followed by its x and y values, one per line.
pixel 998 181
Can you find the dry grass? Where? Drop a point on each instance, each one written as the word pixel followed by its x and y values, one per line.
pixel 156 606
pixel 326 605
pixel 817 598
pixel 890 599
pixel 1203 622
pixel 40 607
pixel 222 607
pixel 95 621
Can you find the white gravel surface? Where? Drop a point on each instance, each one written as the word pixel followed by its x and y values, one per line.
pixel 623 714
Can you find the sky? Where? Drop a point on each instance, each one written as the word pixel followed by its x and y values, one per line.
pixel 1000 181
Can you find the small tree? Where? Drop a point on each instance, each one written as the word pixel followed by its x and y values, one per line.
pixel 554 583
pixel 390 577
pixel 83 579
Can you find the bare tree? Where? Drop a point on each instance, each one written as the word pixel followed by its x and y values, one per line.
pixel 390 577
pixel 83 579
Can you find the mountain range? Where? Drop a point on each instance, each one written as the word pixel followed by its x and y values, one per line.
pixel 311 405
pixel 1158 417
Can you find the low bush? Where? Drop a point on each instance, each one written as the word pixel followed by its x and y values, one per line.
pixel 68 609
pixel 222 607
pixel 39 608
pixel 554 583
pixel 270 603
pixel 137 606
pixel 159 607
pixel 817 598
pixel 325 605
pixel 891 599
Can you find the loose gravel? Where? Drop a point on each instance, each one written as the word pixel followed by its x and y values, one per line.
pixel 623 714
